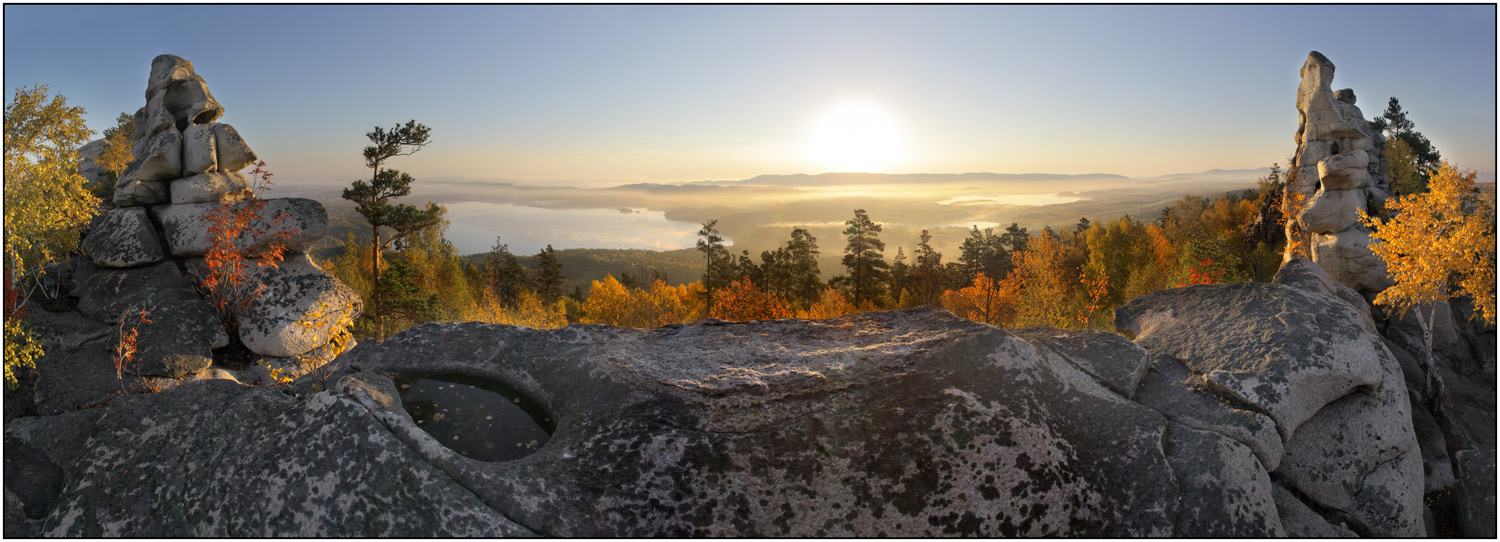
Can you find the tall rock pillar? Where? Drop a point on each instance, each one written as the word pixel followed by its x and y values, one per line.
pixel 1336 173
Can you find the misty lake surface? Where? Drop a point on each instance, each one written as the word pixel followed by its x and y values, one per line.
pixel 528 229
pixel 478 418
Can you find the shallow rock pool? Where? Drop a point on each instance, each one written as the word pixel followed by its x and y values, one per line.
pixel 478 418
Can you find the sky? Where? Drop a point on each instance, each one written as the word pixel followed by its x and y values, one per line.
pixel 603 95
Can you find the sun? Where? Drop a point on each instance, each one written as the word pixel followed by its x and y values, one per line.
pixel 856 136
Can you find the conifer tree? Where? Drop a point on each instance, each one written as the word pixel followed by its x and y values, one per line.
pixel 928 271
pixel 717 262
pixel 505 274
pixel 373 202
pixel 865 259
pixel 549 276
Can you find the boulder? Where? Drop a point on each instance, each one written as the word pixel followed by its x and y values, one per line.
pixel 198 152
pixel 1476 492
pixel 1169 389
pixel 1359 460
pixel 1230 490
pixel 1329 211
pixel 104 294
pixel 150 121
pixel 1252 345
pixel 216 459
pixel 301 308
pixel 1112 360
pixel 70 379
pixel 159 160
pixel 1346 256
pixel 88 167
pixel 1340 162
pixel 296 223
pixel 191 103
pixel 1301 522
pixel 165 71
pixel 1310 277
pixel 178 341
pixel 1303 358
pixel 904 423
pixel 234 153
pixel 134 193
pixel 124 237
pixel 210 187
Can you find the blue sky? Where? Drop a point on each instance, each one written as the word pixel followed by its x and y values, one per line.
pixel 610 94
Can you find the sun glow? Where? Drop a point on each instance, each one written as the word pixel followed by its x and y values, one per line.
pixel 856 136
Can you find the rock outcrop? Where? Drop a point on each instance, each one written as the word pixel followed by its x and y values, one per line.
pixel 1336 174
pixel 141 253
pixel 900 423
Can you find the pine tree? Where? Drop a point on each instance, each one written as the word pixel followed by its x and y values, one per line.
pixel 373 202
pixel 1395 124
pixel 717 263
pixel 549 276
pixel 928 271
pixel 864 258
pixel 505 274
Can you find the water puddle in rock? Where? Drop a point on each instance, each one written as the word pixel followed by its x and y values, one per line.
pixel 478 418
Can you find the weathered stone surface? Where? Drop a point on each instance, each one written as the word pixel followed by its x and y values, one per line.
pixel 199 155
pixel 1476 474
pixel 1301 522
pixel 1229 490
pixel 1346 256
pixel 1169 389
pixel 191 103
pixel 301 307
pixel 1347 160
pixel 179 340
pixel 1437 466
pixel 1113 360
pixel 150 121
pixel 176 463
pixel 1255 344
pixel 1359 459
pixel 1310 277
pixel 1329 211
pixel 70 379
pixel 135 193
pixel 1343 172
pixel 166 70
pixel 104 294
pixel 88 167
pixel 210 187
pixel 295 223
pixel 123 238
pixel 234 153
pixel 159 160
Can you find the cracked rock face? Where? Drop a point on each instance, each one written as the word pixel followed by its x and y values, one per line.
pixel 1338 168
pixel 903 423
pixel 1304 359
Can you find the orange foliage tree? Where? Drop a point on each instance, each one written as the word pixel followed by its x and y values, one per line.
pixel 986 300
pixel 126 346
pixel 742 301
pixel 610 302
pixel 831 304
pixel 1042 295
pixel 239 243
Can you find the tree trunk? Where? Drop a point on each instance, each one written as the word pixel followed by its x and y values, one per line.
pixel 375 272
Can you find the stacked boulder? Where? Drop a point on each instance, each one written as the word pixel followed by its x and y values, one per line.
pixel 145 257
pixel 1337 173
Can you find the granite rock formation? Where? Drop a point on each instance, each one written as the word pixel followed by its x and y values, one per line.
pixel 1336 174
pixel 902 423
pixel 146 253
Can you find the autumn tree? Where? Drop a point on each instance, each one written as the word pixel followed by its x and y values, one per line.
pixel 743 301
pixel 865 259
pixel 373 201
pixel 610 302
pixel 1402 170
pixel 549 275
pixel 47 203
pixel 241 242
pixel 1439 244
pixel 985 300
pixel 1042 284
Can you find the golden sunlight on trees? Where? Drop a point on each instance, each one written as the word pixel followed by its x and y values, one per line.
pixel 610 302
pixel 1042 284
pixel 46 202
pixel 984 301
pixel 743 300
